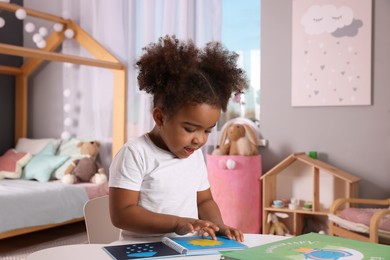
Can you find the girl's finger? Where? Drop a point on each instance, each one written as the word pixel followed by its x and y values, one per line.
pixel 209 232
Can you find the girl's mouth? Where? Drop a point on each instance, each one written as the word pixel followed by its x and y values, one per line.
pixel 189 151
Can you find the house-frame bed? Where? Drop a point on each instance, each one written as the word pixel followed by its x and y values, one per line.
pixel 35 58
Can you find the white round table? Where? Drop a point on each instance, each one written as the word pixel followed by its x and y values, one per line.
pixel 95 251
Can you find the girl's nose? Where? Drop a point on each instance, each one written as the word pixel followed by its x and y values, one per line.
pixel 199 138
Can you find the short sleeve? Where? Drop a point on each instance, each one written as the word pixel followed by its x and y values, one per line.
pixel 204 184
pixel 126 170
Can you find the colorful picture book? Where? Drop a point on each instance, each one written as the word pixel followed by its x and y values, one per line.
pixel 173 246
pixel 313 246
pixel 151 250
pixel 197 245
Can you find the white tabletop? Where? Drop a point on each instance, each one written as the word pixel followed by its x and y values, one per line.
pixel 95 251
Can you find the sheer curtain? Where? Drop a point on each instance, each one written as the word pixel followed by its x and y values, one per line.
pixel 124 27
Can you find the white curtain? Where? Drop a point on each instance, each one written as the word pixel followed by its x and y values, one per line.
pixel 124 27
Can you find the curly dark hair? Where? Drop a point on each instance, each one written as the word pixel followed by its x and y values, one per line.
pixel 177 73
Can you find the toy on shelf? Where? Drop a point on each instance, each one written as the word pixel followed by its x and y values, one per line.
pixel 237 138
pixel 294 203
pixel 277 227
pixel 308 205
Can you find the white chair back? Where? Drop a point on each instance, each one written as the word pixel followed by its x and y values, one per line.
pixel 100 229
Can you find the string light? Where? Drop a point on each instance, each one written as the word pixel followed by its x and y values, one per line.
pixel 29 27
pixel 39 37
pixel 43 31
pixel 41 44
pixel 69 33
pixel 21 14
pixel 58 27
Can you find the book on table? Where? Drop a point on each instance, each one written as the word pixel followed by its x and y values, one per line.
pixel 313 246
pixel 173 247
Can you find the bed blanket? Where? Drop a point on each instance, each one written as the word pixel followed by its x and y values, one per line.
pixel 26 203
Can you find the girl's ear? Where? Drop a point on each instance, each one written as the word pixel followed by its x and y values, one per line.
pixel 158 116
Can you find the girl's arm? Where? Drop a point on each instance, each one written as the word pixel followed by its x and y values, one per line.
pixel 126 214
pixel 208 210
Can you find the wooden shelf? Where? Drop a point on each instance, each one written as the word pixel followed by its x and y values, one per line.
pixel 300 210
pixel 346 185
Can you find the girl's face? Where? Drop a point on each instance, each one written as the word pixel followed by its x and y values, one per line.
pixel 188 129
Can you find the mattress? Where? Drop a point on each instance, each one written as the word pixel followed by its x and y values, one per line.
pixel 26 203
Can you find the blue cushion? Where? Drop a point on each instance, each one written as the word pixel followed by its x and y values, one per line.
pixel 43 164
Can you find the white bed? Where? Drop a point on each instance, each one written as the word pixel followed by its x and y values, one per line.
pixel 33 60
pixel 28 205
pixel 32 196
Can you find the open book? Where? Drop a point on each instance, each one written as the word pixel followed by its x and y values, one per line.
pixel 312 246
pixel 173 246
pixel 140 251
pixel 197 245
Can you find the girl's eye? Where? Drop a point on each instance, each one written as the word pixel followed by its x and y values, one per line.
pixel 208 131
pixel 189 130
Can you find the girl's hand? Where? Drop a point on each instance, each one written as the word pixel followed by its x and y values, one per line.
pixel 203 227
pixel 231 233
pixel 206 228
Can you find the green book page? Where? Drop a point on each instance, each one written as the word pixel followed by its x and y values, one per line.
pixel 313 246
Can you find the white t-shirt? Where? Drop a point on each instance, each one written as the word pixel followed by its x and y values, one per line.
pixel 166 184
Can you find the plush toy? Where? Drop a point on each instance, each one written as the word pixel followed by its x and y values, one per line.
pixel 86 169
pixel 277 228
pixel 237 139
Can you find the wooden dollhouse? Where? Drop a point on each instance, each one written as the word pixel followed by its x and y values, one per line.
pixel 307 180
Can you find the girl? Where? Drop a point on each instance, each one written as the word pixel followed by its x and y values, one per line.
pixel 158 182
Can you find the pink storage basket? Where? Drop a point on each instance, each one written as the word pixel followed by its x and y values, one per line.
pixel 237 191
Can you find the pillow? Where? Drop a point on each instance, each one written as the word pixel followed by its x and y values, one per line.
pixel 70 149
pixel 43 164
pixel 34 146
pixel 12 162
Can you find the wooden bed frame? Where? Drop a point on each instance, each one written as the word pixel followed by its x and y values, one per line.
pixel 26 230
pixel 104 59
pixel 35 58
pixel 373 236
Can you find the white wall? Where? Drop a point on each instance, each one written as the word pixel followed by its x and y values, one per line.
pixel 355 138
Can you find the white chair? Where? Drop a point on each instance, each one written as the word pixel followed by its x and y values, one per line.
pixel 100 229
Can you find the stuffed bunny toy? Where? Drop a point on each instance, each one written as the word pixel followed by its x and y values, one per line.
pixel 277 227
pixel 237 139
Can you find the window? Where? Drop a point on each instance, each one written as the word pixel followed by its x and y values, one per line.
pixel 241 33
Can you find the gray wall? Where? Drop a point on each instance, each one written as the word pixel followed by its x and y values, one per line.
pixel 11 33
pixel 45 85
pixel 354 138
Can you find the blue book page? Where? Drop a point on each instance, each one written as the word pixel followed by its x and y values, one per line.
pixel 140 251
pixel 192 245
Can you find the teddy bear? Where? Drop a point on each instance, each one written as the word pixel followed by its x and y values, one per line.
pixel 86 169
pixel 237 139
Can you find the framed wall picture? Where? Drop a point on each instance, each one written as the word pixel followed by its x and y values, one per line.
pixel 331 52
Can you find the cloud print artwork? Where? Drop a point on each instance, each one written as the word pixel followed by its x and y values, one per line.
pixel 331 52
pixel 326 19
